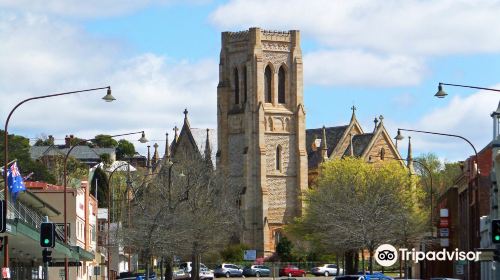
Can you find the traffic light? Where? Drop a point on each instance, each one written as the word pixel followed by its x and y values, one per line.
pixel 46 255
pixel 3 216
pixel 495 231
pixel 48 235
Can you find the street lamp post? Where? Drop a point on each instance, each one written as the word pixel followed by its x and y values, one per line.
pixel 476 175
pixel 108 98
pixel 65 175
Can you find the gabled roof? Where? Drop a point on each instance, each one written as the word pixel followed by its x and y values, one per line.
pixel 79 152
pixel 360 143
pixel 333 136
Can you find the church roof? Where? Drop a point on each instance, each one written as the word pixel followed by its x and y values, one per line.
pixel 200 137
pixel 333 136
pixel 359 142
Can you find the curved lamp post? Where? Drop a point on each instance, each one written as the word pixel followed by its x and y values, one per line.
pixel 399 136
pixel 65 175
pixel 108 98
pixel 442 94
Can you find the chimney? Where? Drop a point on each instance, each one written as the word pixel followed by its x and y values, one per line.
pixel 67 141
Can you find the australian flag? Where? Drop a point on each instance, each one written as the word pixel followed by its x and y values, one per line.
pixel 15 181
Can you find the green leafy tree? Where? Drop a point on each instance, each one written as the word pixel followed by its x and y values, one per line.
pixel 100 181
pixel 19 148
pixel 124 149
pixel 234 252
pixel 104 141
pixel 358 206
pixel 284 250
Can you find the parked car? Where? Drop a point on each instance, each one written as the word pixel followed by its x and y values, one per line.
pixel 326 270
pixel 257 271
pixel 291 270
pixel 374 276
pixel 206 274
pixel 187 266
pixel 228 270
pixel 142 276
pixel 127 275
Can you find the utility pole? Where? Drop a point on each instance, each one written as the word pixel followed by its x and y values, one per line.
pixel 495 180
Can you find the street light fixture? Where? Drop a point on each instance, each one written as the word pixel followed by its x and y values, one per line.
pixel 108 98
pixel 65 175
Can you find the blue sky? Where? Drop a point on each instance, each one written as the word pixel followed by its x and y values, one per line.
pixel 385 57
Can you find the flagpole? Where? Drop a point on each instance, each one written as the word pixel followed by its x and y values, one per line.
pixel 108 97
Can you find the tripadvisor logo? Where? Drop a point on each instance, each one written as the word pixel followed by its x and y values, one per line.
pixel 387 255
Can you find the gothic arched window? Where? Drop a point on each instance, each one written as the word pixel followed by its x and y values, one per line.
pixel 236 87
pixel 382 154
pixel 245 84
pixel 281 85
pixel 278 157
pixel 268 78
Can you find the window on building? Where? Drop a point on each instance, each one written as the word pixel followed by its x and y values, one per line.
pixel 236 87
pixel 281 85
pixel 268 78
pixel 382 154
pixel 245 84
pixel 278 158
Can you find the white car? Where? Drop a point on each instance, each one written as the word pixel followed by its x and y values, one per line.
pixel 326 270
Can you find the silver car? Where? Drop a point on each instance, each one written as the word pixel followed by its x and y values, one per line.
pixel 326 270
pixel 228 270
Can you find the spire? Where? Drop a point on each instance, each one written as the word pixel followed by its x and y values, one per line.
pixel 208 149
pixel 381 118
pixel 167 146
pixel 156 156
pixel 186 121
pixel 409 158
pixel 376 122
pixel 148 160
pixel 324 147
pixel 351 148
pixel 176 134
pixel 353 108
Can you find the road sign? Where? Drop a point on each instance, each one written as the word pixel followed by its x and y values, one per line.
pixel 443 222
pixel 445 242
pixel 250 255
pixel 444 232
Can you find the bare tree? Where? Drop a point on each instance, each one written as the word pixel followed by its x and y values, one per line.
pixel 186 208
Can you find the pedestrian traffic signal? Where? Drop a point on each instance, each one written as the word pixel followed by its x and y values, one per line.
pixel 46 255
pixel 3 216
pixel 495 231
pixel 48 235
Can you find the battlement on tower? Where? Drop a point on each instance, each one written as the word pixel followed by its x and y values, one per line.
pixel 257 35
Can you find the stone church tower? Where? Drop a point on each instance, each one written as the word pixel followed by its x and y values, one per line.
pixel 261 130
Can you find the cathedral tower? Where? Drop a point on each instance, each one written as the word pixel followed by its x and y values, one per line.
pixel 261 129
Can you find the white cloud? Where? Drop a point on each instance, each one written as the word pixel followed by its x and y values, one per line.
pixel 465 116
pixel 47 56
pixel 86 8
pixel 355 67
pixel 393 26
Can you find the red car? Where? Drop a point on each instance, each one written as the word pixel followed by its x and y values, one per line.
pixel 292 270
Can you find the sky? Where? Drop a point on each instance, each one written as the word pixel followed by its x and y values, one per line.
pixel 386 57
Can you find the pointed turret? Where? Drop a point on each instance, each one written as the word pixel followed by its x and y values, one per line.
pixel 167 147
pixel 324 146
pixel 148 160
pixel 409 158
pixel 156 156
pixel 176 134
pixel 208 149
pixel 353 116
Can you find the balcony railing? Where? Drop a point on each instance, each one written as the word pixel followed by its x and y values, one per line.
pixel 31 216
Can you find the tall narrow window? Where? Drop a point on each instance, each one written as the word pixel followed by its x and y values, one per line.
pixel 382 154
pixel 278 158
pixel 245 84
pixel 236 87
pixel 267 84
pixel 281 85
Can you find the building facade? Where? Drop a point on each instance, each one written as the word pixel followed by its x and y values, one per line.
pixel 261 129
